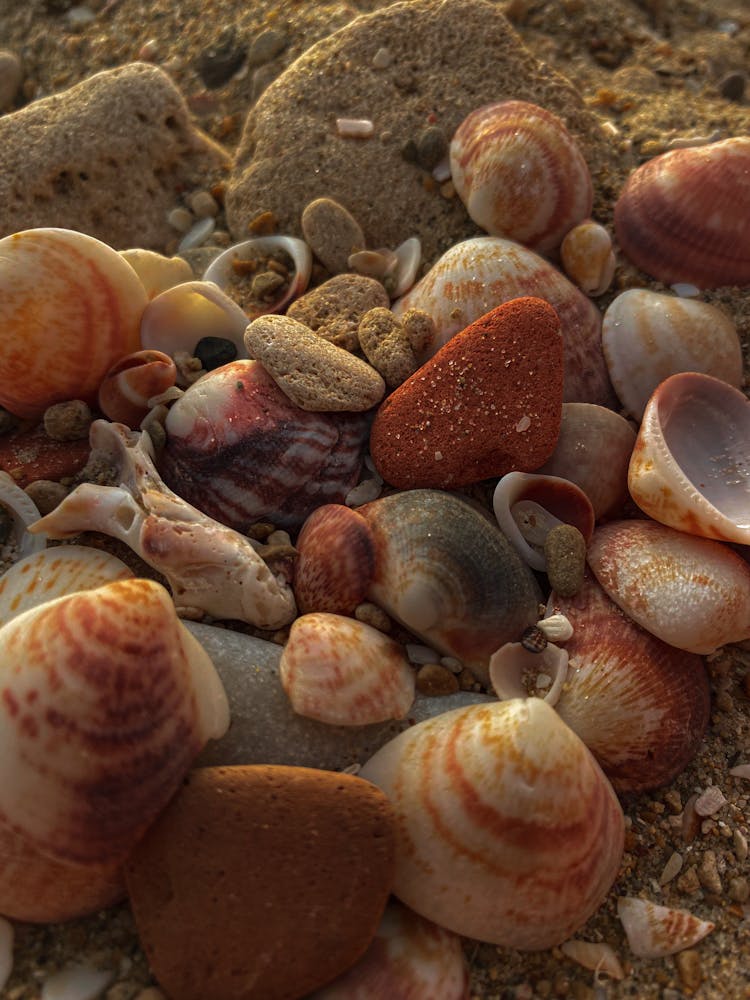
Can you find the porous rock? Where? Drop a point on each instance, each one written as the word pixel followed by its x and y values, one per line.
pixel 332 232
pixel 448 57
pixel 108 157
pixel 387 347
pixel 334 309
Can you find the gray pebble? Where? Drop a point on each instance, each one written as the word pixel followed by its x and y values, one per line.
pixel 199 258
pixel 220 61
pixel 565 552
pixel 46 494
pixel 68 421
pixel 332 232
pixel 10 78
pixel 432 147
pixel 266 46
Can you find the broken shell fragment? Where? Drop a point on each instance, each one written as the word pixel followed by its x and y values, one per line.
pixel 654 931
pixel 131 382
pixel 22 511
pixel 221 268
pixel 156 272
pixel 594 955
pixel 178 318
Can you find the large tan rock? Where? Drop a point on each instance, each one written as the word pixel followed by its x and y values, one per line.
pixel 108 157
pixel 447 57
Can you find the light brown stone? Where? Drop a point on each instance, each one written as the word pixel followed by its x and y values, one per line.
pixel 332 232
pixel 334 309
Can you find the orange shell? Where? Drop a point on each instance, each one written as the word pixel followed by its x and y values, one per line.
pixel 130 383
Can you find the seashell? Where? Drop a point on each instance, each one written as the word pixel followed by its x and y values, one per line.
pixel 220 270
pixel 690 592
pixel 595 955
pixel 408 258
pixel 509 663
pixel 397 269
pixel 240 450
pixel 177 319
pixel 689 467
pixel 648 336
pixel 409 958
pixel 508 831
pixel 587 257
pixel 207 565
pixel 448 575
pixel 335 562
pixel 654 931
pixel 72 284
pixel 641 706
pixel 520 173
pixel 55 572
pixel 22 511
pixel 578 455
pixel 527 506
pixel 682 216
pixel 478 274
pixel 131 382
pixel 156 272
pixel 345 673
pixel 76 982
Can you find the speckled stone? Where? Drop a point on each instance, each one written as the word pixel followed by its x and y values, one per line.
pixel 387 347
pixel 332 232
pixel 565 554
pixel 334 309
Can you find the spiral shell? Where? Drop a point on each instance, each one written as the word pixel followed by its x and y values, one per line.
pixel 70 306
pixel 682 216
pixel 587 257
pixel 648 336
pixel 508 831
pixel 130 383
pixel 690 467
pixel 520 173
pixel 690 592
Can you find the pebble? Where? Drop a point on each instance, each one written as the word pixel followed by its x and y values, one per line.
pixel 197 234
pixel 314 373
pixel 46 494
pixel 710 801
pixel 688 965
pixel 334 309
pixel 565 554
pixel 11 74
pixel 434 680
pixel 432 147
pixel 199 258
pixel 489 402
pixel 266 46
pixel 708 873
pixel 213 352
pixel 387 346
pixel 371 614
pixel 203 204
pixel 69 421
pixel 739 844
pixel 332 232
pixel 29 455
pixel 218 63
pixel 671 868
pixel 180 219
pixel 739 889
pixel 272 879
pixel 732 86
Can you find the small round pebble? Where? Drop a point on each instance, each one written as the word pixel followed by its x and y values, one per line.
pixel 11 74
pixel 688 965
pixel 435 680
pixel 46 494
pixel 203 204
pixel 180 219
pixel 332 232
pixel 266 46
pixel 432 147
pixel 565 552
pixel 334 309
pixel 221 60
pixel 68 421
pixel 371 614
pixel 733 86
pixel 386 346
pixel 213 352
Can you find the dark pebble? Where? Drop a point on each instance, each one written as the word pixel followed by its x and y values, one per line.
pixel 409 151
pixel 213 352
pixel 432 147
pixel 221 61
pixel 733 86
pixel 6 525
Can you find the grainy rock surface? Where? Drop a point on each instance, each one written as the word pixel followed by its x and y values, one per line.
pixel 333 310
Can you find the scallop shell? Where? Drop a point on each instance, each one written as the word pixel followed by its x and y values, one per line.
pixel 682 216
pixel 587 257
pixel 640 705
pixel 241 451
pixel 177 319
pixel 449 575
pixel 508 831
pixel 520 173
pixel 156 272
pixel 478 274
pixel 69 308
pixel 648 336
pixel 129 384
pixel 220 269
pixel 345 673
pixel 335 561
pixel 690 592
pixel 92 745
pixel 654 931
pixel 593 451
pixel 690 467
pixel 23 512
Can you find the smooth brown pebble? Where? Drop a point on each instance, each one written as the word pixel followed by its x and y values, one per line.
pixel 565 553
pixel 332 232
pixel 46 494
pixel 689 969
pixel 261 882
pixel 434 680
pixel 333 310
pixel 314 373
pixel 386 346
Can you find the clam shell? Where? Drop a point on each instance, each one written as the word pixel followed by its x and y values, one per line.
pixel 682 216
pixel 129 384
pixel 587 433
pixel 239 450
pixel 345 673
pixel 690 467
pixel 640 705
pixel 690 592
pixel 335 561
pixel 508 831
pixel 449 575
pixel 178 318
pixel 654 931
pixel 478 274
pixel 23 512
pixel 66 282
pixel 648 336
pixel 220 269
pixel 520 173
pixel 93 744
pixel 587 257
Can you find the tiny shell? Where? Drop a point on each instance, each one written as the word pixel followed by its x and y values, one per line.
pixel 181 316
pixel 220 269
pixel 72 284
pixel 682 216
pixel 520 173
pixel 507 666
pixel 129 384
pixel 156 272
pixel 587 257
pixel 648 336
pixel 594 955
pixel 654 931
pixel 23 512
pixel 345 673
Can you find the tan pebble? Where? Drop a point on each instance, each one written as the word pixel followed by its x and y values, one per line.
pixel 386 346
pixel 180 219
pixel 689 883
pixel 10 78
pixel 68 421
pixel 739 843
pixel 332 232
pixel 314 374
pixel 372 615
pixel 419 328
pixel 565 552
pixel 671 868
pixel 689 969
pixel 708 873
pixel 334 309
pixel 434 680
pixel 739 889
pixel 691 822
pixel 203 205
pixel 46 494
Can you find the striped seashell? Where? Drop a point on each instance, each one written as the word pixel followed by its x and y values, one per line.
pixel 66 282
pixel 520 173
pixel 335 562
pixel 508 831
pixel 129 384
pixel 654 931
pixel 242 452
pixel 345 673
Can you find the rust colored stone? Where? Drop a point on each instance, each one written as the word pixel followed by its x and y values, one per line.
pixel 28 455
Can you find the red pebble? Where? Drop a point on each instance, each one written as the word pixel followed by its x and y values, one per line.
pixel 489 402
pixel 29 455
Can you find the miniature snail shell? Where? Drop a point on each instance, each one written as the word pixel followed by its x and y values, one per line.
pixel 129 384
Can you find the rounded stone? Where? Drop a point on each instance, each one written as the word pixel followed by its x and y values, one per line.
pixel 565 553
pixel 332 232
pixel 69 421
pixel 387 347
pixel 334 309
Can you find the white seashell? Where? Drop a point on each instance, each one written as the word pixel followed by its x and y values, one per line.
pixel 587 257
pixel 177 319
pixel 55 572
pixel 157 272
pixel 511 661
pixel 507 830
pixel 76 982
pixel 23 512
pixel 220 270
pixel 594 955
pixel 343 672
pixel 6 951
pixel 197 235
pixel 408 258
pixel 654 931
pixel 648 336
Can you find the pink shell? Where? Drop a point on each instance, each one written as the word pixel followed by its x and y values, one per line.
pixel 520 173
pixel 683 216
pixel 335 562
pixel 131 382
